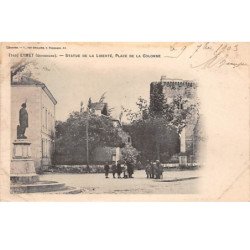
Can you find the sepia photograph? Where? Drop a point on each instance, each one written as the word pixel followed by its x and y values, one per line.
pixel 116 118
pixel 110 132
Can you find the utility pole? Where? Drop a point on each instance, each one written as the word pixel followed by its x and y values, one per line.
pixel 87 134
pixel 87 139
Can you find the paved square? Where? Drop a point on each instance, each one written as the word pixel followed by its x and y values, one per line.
pixel 173 182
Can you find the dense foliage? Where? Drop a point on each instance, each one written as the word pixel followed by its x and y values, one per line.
pixel 155 129
pixel 154 139
pixel 71 137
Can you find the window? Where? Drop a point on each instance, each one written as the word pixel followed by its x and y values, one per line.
pixel 43 148
pixel 48 121
pixel 46 118
pixel 46 148
pixel 48 154
pixel 43 117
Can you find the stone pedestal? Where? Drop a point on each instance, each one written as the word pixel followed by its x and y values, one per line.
pixel 182 156
pixel 183 160
pixel 22 169
pixel 23 174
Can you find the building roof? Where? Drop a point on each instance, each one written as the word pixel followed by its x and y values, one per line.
pixel 167 79
pixel 29 81
pixel 98 105
pixel 170 82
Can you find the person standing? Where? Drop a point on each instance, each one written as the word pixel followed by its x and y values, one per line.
pixel 130 169
pixel 148 170
pixel 125 171
pixel 113 168
pixel 139 165
pixel 119 169
pixel 159 170
pixel 106 169
pixel 152 170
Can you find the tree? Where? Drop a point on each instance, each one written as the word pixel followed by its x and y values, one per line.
pixel 156 99
pixel 81 107
pixel 28 68
pixel 71 137
pixel 102 98
pixel 153 138
pixel 105 110
pixel 20 67
pixel 155 129
pixel 129 153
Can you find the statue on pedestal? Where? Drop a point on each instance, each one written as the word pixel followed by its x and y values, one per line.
pixel 23 121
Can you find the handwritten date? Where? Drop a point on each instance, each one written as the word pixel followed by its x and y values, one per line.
pixel 208 55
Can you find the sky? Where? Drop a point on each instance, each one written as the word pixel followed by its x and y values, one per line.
pixel 72 80
pixel 124 79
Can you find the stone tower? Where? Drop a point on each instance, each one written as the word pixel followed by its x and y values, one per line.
pixel 169 89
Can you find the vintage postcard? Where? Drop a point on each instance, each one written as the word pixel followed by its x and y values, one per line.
pixel 124 121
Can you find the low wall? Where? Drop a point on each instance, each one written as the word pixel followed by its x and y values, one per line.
pixel 78 169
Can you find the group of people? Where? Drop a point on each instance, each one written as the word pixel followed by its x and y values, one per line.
pixel 117 169
pixel 154 170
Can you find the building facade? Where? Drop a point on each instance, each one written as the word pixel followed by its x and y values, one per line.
pixel 99 108
pixel 41 117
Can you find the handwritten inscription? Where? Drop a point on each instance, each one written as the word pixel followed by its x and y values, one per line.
pixel 215 55
pixel 176 53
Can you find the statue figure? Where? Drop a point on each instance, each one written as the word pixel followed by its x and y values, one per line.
pixel 23 121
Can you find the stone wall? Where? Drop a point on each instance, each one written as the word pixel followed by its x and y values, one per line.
pixel 105 154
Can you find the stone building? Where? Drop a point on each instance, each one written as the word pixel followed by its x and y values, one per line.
pixel 99 108
pixel 187 90
pixel 41 112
